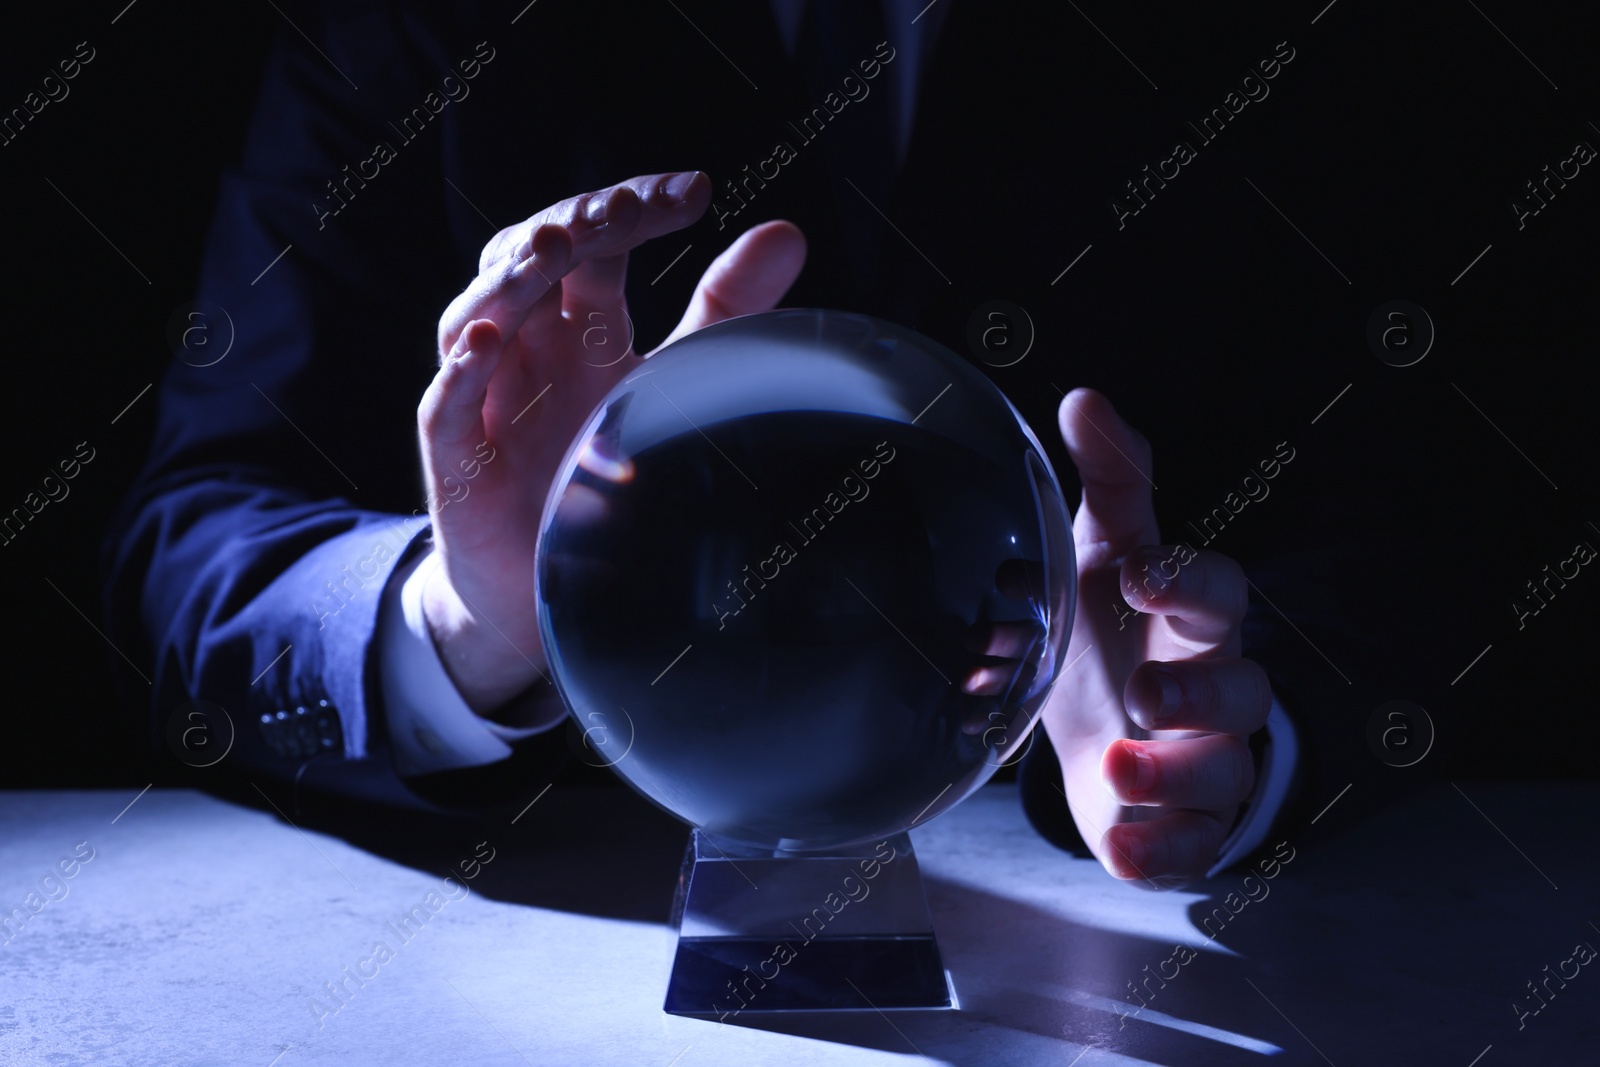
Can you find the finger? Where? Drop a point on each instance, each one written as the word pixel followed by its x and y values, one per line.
pixel 1228 695
pixel 751 276
pixel 988 681
pixel 596 282
pixel 1009 642
pixel 451 409
pixel 1208 773
pixel 593 301
pixel 450 415
pixel 597 225
pixel 1113 461
pixel 1165 852
pixel 612 220
pixel 1203 593
pixel 506 293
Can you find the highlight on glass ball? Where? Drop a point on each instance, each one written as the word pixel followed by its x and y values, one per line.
pixel 805 579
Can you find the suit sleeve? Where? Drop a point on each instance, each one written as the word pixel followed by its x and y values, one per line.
pixel 282 489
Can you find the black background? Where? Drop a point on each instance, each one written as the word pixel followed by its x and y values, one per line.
pixel 137 146
pixel 1396 141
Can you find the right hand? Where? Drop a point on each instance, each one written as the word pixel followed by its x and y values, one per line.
pixel 520 372
pixel 1153 771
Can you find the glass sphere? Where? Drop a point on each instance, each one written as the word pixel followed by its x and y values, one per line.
pixel 805 579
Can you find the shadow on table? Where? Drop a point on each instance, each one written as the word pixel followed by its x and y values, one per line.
pixel 1028 980
pixel 588 849
pixel 1406 941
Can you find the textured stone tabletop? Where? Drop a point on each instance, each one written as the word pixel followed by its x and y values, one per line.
pixel 193 930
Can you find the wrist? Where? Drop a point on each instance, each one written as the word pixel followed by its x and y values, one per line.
pixel 488 664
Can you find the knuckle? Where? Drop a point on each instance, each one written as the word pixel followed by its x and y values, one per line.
pixel 1234 696
pixel 1223 586
pixel 495 249
pixel 1205 692
pixel 1176 776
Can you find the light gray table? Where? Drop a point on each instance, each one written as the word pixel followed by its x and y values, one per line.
pixel 201 930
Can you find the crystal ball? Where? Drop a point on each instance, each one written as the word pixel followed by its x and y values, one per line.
pixel 805 579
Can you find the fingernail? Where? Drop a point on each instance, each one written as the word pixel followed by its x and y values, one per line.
pixel 595 210
pixel 677 186
pixel 1144 770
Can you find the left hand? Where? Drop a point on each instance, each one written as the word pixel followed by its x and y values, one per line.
pixel 521 329
pixel 1150 718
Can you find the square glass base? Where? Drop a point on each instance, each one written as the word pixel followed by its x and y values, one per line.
pixel 846 930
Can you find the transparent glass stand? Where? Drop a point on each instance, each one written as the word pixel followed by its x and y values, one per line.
pixel 760 932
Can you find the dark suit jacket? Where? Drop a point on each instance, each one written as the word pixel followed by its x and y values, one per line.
pixel 283 486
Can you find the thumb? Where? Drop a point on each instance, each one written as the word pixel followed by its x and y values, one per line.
pixel 751 276
pixel 1113 461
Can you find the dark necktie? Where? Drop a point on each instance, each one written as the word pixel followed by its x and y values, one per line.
pixel 856 142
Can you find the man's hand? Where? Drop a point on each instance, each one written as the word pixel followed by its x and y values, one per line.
pixel 516 383
pixel 1151 716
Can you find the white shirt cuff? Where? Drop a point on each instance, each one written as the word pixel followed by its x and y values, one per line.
pixel 1273 778
pixel 431 728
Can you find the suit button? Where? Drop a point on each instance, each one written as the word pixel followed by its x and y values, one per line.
pixel 329 737
pixel 271 731
pixel 303 740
